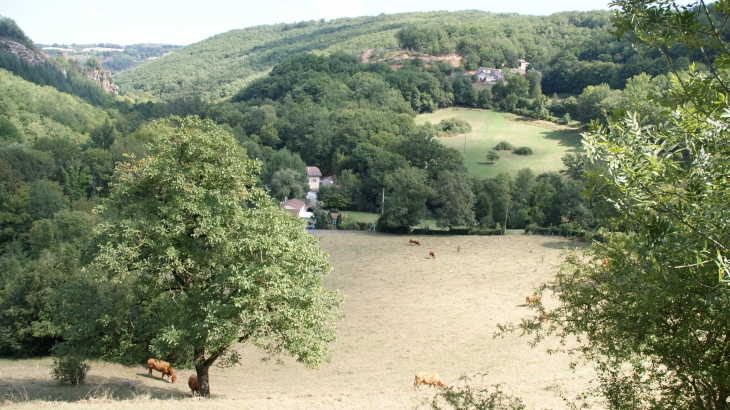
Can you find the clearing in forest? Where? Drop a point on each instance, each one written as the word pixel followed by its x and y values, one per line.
pixel 548 141
pixel 403 313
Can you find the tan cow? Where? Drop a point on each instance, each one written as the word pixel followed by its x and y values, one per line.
pixel 414 242
pixel 429 378
pixel 162 367
pixel 431 254
pixel 532 298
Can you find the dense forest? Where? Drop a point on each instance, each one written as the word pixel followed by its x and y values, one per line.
pixel 572 49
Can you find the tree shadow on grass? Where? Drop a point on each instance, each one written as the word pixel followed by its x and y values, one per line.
pixel 565 243
pixel 98 387
pixel 569 139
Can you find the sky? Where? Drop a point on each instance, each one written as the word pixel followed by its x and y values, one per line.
pixel 186 21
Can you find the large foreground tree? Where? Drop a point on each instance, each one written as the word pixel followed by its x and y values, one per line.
pixel 651 303
pixel 195 259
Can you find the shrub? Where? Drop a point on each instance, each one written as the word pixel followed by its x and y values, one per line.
pixel 503 146
pixel 67 370
pixel 492 155
pixel 454 126
pixel 522 151
pixel 462 395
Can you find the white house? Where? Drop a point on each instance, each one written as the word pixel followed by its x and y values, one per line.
pixel 489 75
pixel 299 208
pixel 314 175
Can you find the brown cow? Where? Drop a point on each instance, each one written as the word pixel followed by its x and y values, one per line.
pixel 429 378
pixel 193 384
pixel 162 367
pixel 414 242
pixel 532 298
pixel 431 254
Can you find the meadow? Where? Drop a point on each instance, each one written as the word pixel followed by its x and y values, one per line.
pixel 403 313
pixel 548 141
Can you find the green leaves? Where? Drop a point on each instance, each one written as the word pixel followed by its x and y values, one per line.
pixel 204 259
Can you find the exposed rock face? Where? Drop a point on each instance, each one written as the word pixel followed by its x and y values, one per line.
pixel 101 77
pixel 35 56
pixel 30 55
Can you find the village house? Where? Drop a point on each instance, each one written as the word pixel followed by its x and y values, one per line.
pixel 334 216
pixel 313 175
pixel 489 75
pixel 299 208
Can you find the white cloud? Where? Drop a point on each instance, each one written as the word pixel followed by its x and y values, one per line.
pixel 338 8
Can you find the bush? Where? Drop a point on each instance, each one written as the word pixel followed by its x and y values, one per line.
pixel 492 155
pixel 67 370
pixel 522 151
pixel 503 146
pixel 454 126
pixel 462 395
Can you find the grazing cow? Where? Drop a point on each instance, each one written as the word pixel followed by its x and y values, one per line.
pixel 532 298
pixel 162 367
pixel 193 384
pixel 429 378
pixel 414 242
pixel 431 254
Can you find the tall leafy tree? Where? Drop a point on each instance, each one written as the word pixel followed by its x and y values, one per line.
pixel 453 200
pixel 287 183
pixel 195 259
pixel 405 204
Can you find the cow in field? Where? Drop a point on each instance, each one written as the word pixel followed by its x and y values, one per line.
pixel 429 378
pixel 162 367
pixel 431 254
pixel 193 384
pixel 532 298
pixel 414 242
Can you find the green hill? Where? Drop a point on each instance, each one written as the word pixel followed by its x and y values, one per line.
pixel 220 66
pixel 29 111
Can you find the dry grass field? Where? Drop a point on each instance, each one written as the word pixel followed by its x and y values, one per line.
pixel 403 313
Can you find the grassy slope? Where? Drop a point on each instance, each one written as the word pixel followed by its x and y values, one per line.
pixel 490 127
pixel 38 111
pixel 403 313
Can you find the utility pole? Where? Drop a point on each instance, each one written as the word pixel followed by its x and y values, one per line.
pixel 382 204
pixel 465 145
pixel 506 212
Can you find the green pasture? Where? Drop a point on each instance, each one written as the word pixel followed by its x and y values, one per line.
pixel 366 217
pixel 549 142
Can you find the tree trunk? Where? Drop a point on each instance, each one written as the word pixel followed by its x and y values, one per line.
pixel 201 369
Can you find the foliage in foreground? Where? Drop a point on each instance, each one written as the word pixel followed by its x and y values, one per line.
pixel 195 259
pixel 462 395
pixel 650 305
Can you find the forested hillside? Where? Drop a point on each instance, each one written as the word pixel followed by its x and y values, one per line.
pixel 219 66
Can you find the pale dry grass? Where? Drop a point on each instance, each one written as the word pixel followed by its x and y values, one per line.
pixel 404 313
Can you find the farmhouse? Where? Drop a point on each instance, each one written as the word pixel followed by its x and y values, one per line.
pixel 334 216
pixel 299 208
pixel 489 75
pixel 314 175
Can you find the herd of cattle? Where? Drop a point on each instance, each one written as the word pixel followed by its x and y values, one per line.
pixel 426 378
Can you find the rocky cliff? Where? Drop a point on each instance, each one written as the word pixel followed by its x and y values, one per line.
pixel 99 76
pixel 30 55
pixel 34 56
